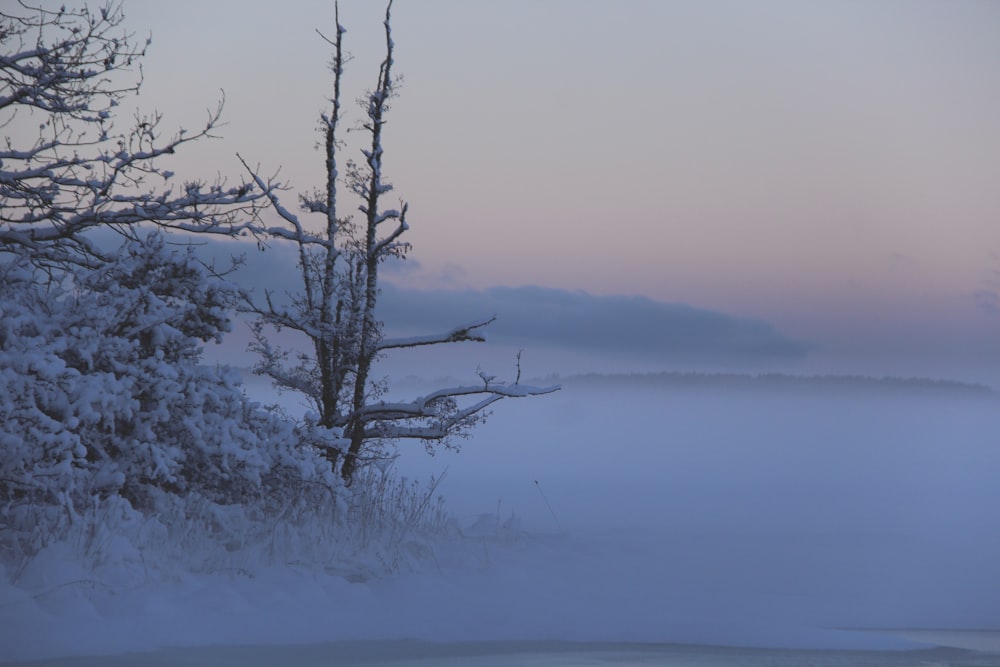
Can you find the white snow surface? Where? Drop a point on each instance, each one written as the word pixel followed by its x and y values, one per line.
pixel 611 514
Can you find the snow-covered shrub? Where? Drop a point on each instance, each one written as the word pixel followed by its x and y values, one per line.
pixel 102 393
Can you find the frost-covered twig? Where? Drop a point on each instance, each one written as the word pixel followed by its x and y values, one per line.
pixel 72 68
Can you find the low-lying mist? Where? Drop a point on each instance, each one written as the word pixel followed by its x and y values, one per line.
pixel 806 506
pixel 733 512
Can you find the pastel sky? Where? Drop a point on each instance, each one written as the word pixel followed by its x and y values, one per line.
pixel 829 167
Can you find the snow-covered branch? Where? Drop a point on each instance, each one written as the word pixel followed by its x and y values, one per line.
pixel 72 68
pixel 424 405
pixel 71 71
pixel 441 417
pixel 468 332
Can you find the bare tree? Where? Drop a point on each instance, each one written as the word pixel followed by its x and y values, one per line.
pixel 63 73
pixel 335 309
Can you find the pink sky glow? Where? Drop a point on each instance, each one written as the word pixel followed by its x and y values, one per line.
pixel 829 167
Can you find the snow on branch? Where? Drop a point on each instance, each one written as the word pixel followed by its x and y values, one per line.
pixel 442 417
pixel 424 405
pixel 467 332
pixel 71 68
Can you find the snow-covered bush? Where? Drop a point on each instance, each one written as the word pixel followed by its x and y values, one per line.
pixel 102 392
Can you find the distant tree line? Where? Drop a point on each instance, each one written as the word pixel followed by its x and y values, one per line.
pixel 776 381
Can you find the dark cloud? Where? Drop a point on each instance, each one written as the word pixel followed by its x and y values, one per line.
pixel 614 327
pixel 632 326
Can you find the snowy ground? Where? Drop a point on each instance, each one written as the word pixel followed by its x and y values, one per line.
pixel 617 515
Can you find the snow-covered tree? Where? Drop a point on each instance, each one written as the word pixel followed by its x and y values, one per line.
pixel 101 387
pixel 104 405
pixel 338 260
pixel 65 167
pixel 101 390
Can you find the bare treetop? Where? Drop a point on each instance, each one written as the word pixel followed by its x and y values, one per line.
pixel 335 309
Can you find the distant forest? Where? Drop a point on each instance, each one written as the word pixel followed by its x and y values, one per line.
pixel 776 381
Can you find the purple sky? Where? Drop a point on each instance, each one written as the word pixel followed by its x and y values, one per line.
pixel 831 168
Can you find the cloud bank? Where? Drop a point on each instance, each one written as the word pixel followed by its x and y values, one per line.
pixel 621 326
pixel 626 328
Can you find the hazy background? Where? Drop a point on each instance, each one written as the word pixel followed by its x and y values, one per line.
pixel 803 187
pixel 718 514
pixel 710 186
pixel 826 168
